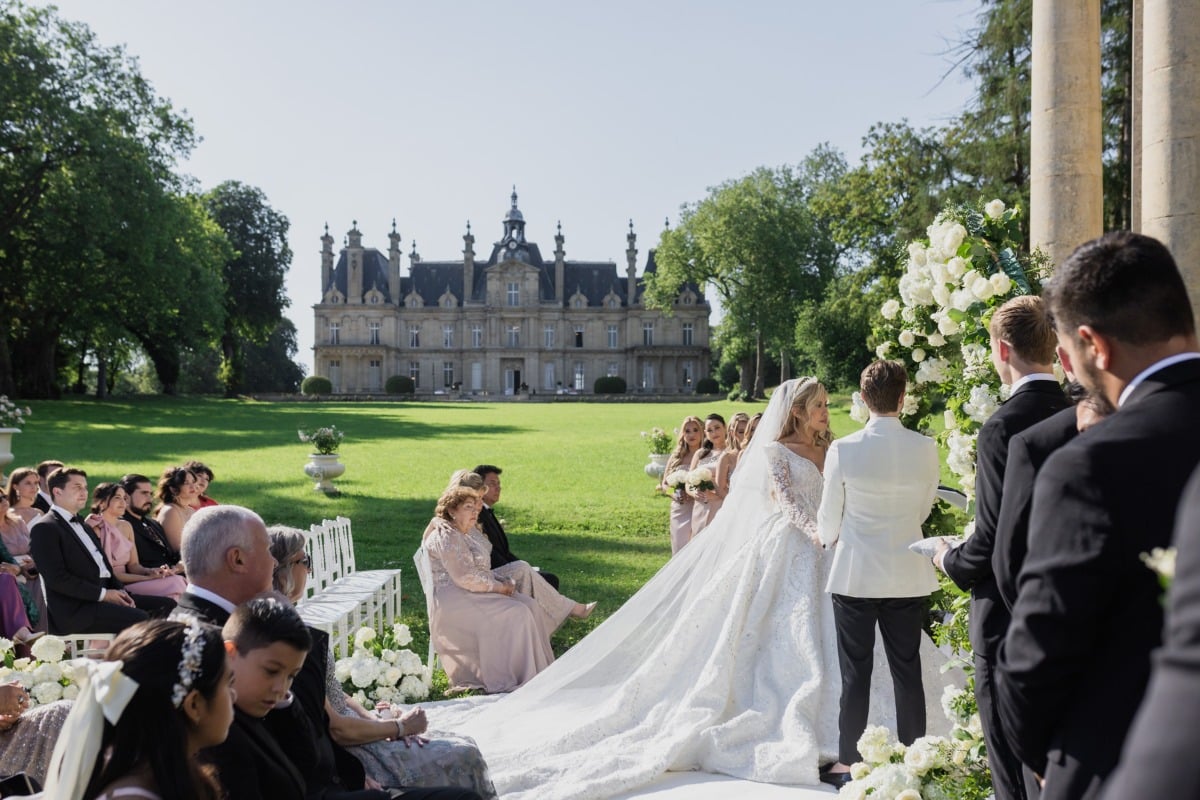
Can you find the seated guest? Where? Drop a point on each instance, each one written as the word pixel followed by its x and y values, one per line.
pixel 43 501
pixel 14 550
pixel 489 636
pixel 153 547
pixel 227 556
pixel 22 491
pixel 381 742
pixel 116 537
pixel 163 692
pixel 204 476
pixel 176 492
pixel 14 621
pixel 83 595
pixel 554 606
pixel 28 735
pixel 490 524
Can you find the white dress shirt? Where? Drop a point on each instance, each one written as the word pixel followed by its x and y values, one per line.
pixel 211 597
pixel 88 542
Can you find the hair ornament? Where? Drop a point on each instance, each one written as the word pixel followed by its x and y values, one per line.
pixel 189 661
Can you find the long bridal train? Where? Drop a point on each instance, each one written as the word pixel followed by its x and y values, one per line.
pixel 725 661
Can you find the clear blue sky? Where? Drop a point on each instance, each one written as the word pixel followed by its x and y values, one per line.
pixel 599 112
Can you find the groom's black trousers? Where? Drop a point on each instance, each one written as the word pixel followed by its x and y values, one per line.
pixel 900 620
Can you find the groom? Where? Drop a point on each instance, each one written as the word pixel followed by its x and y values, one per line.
pixel 880 484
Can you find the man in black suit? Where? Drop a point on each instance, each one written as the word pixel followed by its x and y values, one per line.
pixel 1023 341
pixel 153 548
pixel 43 500
pixel 82 593
pixel 227 557
pixel 1076 660
pixel 501 554
pixel 1159 759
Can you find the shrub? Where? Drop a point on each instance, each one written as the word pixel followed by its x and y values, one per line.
pixel 400 384
pixel 735 394
pixel 315 384
pixel 609 384
pixel 707 386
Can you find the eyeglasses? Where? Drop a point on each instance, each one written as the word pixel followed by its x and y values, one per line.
pixel 306 561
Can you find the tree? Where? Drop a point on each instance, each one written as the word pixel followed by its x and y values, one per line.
pixel 271 367
pixel 756 242
pixel 254 276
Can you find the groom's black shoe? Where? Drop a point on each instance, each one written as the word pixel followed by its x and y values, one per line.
pixel 835 779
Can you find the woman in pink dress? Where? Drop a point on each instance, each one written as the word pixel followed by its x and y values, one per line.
pixel 489 635
pixel 22 491
pixel 712 456
pixel 116 537
pixel 177 492
pixel 691 432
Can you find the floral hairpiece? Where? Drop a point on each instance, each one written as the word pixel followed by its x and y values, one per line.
pixel 189 661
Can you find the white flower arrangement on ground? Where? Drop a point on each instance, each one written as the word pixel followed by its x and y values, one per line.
pixel 659 440
pixel 12 416
pixel 700 480
pixel 325 441
pixel 46 676
pixel 932 767
pixel 382 670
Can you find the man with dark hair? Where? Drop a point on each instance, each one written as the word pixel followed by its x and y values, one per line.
pixel 492 529
pixel 43 500
pixel 880 484
pixel 83 595
pixel 1076 660
pixel 1022 342
pixel 153 548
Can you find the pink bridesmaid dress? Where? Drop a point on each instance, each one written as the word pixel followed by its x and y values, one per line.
pixel 119 549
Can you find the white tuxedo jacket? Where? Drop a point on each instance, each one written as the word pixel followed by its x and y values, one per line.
pixel 879 488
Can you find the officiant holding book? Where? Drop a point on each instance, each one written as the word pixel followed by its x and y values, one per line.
pixel 880 485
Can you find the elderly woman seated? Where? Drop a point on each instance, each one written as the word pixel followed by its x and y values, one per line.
pixel 489 636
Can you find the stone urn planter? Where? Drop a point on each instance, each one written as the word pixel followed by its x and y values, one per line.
pixel 323 469
pixel 6 454
pixel 657 465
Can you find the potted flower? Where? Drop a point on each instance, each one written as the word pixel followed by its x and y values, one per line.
pixel 323 465
pixel 11 420
pixel 660 451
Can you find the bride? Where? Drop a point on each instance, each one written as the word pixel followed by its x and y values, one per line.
pixel 725 661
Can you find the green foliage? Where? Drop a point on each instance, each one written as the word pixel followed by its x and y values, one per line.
pixel 400 384
pixel 707 386
pixel 271 366
pixel 609 384
pixel 316 385
pixel 831 336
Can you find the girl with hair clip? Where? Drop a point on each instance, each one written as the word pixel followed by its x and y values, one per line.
pixel 163 693
pixel 691 434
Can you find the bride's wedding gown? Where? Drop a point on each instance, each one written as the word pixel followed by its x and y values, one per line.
pixel 726 661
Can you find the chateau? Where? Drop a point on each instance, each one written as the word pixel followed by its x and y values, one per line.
pixel 507 325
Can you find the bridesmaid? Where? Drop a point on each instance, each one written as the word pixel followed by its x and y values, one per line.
pixel 691 432
pixel 712 456
pixel 750 428
pixel 22 491
pixel 116 537
pixel 177 491
pixel 738 424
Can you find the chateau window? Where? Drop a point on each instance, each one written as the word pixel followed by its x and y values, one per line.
pixel 614 369
pixel 548 375
pixel 414 336
pixel 373 332
pixel 688 329
pixel 647 333
pixel 448 302
pixel 448 374
pixel 414 302
pixel 335 333
pixel 612 336
pixel 414 372
pixel 579 376
pixel 687 373
pixel 374 299
pixel 647 376
pixel 335 374
pixel 579 302
pixel 476 336
pixel 374 375
pixel 579 336
pixel 614 302
pixel 548 336
pixel 687 300
pixel 514 336
pixel 447 336
pixel 514 294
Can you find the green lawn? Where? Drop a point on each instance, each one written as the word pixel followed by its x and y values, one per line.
pixel 575 501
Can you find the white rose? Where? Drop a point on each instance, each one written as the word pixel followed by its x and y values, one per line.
pixel 6 645
pixel 859 770
pixel 941 294
pixel 936 339
pixel 949 420
pixel 882 350
pixel 890 309
pixel 909 794
pixel 981 287
pixel 994 209
pixel 402 635
pixel 923 755
pixel 918 355
pixel 1001 283
pixel 907 338
pixel 939 273
pixel 362 636
pixel 413 688
pixel 956 267
pixel 948 326
pixel 917 254
pixel 875 744
pixel 909 314
pixel 953 239
pixel 962 299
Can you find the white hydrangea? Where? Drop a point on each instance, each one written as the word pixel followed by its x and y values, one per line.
pixel 409 663
pixel 962 299
pixel 925 754
pixel 46 692
pixel 363 636
pixel 389 656
pixel 932 370
pixel 361 698
pixel 976 355
pixel 918 355
pixel 49 648
pixel 952 238
pixel 392 675
pixel 907 338
pixel 981 287
pixel 882 349
pixel 858 409
pixel 908 314
pixel 341 669
pixel 935 339
pixel 981 404
pixel 363 672
pixel 956 268
pixel 961 452
pixel 413 688
pixel 939 273
pixel 6 645
pixel 994 209
pixel 941 294
pixel 70 692
pixel 890 309
pixel 47 673
pixel 1001 284
pixel 402 635
pixel 890 780
pixel 947 325
pixel 915 290
pixel 917 254
pixel 911 405
pixel 875 745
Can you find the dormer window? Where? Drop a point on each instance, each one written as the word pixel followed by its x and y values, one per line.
pixel 514 294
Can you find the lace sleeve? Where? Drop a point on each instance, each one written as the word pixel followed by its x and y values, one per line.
pixel 451 548
pixel 797 507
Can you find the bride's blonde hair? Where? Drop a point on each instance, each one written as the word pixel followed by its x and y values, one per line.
pixel 804 395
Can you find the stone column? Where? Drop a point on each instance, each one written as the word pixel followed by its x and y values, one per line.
pixel 1066 185
pixel 1171 132
pixel 1135 139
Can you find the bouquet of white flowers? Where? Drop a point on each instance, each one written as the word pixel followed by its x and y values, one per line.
pixel 324 440
pixel 46 676
pixel 11 416
pixel 382 670
pixel 700 480
pixel 677 480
